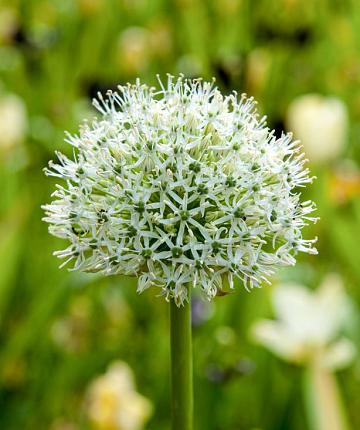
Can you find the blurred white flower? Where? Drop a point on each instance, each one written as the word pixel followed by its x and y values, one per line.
pixel 113 402
pixel 308 325
pixel 321 124
pixel 13 122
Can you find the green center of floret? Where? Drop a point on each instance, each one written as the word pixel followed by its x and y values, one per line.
pixel 176 252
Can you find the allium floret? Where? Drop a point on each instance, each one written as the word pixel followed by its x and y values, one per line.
pixel 180 186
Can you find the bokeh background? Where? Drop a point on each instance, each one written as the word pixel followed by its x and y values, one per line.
pixel 59 330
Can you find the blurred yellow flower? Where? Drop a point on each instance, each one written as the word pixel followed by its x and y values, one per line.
pixel 161 38
pixel 113 402
pixel 13 122
pixel 90 7
pixel 137 46
pixel 321 124
pixel 8 24
pixel 134 49
pixel 257 70
pixel 308 325
pixel 344 182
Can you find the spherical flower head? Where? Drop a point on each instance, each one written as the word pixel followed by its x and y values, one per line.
pixel 180 186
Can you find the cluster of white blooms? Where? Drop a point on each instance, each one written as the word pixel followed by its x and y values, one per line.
pixel 180 186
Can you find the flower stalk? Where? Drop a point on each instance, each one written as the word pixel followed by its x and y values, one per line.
pixel 323 400
pixel 181 366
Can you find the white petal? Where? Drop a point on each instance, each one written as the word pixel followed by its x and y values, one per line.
pixel 278 339
pixel 339 355
pixel 295 306
pixel 332 306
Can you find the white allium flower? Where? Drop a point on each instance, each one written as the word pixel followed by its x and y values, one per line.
pixel 113 402
pixel 321 124
pixel 309 324
pixel 177 186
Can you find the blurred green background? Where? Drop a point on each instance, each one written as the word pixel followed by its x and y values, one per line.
pixel 60 330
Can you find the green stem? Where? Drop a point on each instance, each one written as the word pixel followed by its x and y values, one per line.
pixel 323 400
pixel 181 366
